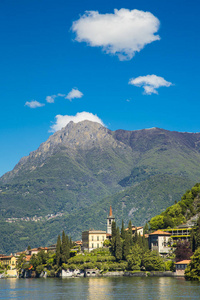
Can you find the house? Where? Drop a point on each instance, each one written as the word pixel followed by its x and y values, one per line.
pixel 37 250
pixel 160 241
pixel 182 232
pixel 92 239
pixel 181 266
pixel 135 229
pixel 9 260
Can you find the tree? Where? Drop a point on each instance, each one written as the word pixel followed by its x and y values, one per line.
pixel 114 229
pixel 118 246
pixel 130 233
pixel 183 251
pixel 21 262
pixel 146 228
pixel 65 248
pixel 195 236
pixel 126 245
pixel 113 240
pixel 123 231
pixel 58 252
pixel 134 258
pixel 192 272
pixel 152 261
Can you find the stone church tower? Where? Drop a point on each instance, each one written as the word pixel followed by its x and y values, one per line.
pixel 110 219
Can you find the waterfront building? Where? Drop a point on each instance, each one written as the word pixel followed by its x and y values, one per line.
pixel 92 239
pixel 160 241
pixel 9 260
pixel 181 266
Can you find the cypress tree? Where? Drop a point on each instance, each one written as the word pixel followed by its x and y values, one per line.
pixel 146 228
pixel 118 246
pixel 65 247
pixel 126 245
pixel 113 240
pixel 114 229
pixel 58 252
pixel 123 231
pixel 130 233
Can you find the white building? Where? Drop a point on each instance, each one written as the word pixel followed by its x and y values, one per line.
pixel 160 241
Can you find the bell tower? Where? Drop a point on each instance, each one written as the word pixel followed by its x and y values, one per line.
pixel 110 219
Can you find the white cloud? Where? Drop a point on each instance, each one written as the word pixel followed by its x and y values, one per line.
pixel 122 33
pixel 62 121
pixel 34 104
pixel 74 93
pixel 51 99
pixel 150 83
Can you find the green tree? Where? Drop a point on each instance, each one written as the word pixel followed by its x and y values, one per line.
pixel 65 248
pixel 192 272
pixel 152 261
pixel 123 231
pixel 146 228
pixel 21 263
pixel 126 245
pixel 114 230
pixel 58 252
pixel 113 240
pixel 118 246
pixel 134 258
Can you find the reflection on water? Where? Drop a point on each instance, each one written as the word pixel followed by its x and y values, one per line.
pixel 94 288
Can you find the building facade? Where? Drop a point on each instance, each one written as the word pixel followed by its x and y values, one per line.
pixel 160 241
pixel 181 266
pixel 92 239
pixel 10 261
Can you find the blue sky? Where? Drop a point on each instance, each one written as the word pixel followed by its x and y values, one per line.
pixel 40 56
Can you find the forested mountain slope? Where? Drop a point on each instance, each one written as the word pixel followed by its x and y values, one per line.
pixel 73 177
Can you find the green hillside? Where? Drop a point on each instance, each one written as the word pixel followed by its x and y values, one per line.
pixel 72 178
pixel 180 212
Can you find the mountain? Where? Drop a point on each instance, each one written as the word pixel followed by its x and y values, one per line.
pixel 72 178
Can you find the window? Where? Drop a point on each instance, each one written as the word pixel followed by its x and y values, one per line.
pixel 92 238
pixel 102 238
pixel 97 238
pixel 109 221
pixel 92 245
pixel 97 245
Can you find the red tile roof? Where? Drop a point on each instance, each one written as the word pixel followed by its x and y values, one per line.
pixel 183 262
pixel 78 242
pixel 160 232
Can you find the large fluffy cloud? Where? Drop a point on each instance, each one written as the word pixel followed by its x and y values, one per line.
pixel 74 93
pixel 122 33
pixel 62 121
pixel 150 83
pixel 34 104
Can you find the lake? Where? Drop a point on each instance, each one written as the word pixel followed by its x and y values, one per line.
pixel 100 288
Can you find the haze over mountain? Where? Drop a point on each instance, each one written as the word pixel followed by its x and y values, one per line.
pixel 72 178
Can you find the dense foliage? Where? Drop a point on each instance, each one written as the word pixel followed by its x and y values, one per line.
pixel 188 206
pixel 192 272
pixel 183 250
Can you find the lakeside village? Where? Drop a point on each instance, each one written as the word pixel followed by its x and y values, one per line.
pixel 133 251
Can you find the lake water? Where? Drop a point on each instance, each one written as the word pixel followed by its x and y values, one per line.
pixel 108 288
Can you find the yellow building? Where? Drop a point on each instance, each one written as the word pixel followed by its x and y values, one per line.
pixel 10 261
pixel 93 239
